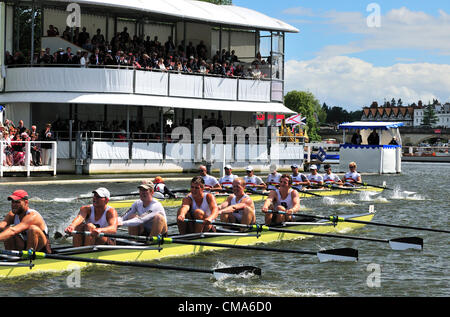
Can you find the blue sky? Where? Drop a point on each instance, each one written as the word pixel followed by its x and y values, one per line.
pixel 344 62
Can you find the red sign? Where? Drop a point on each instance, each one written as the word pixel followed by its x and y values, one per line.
pixel 262 117
pixel 437 131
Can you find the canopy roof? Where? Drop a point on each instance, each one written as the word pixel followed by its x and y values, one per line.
pixel 191 10
pixel 364 125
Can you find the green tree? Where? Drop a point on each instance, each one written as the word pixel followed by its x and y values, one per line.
pixel 306 104
pixel 429 116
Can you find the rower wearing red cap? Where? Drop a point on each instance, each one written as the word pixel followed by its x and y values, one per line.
pixel 24 228
pixel 96 218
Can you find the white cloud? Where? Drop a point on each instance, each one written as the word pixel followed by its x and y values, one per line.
pixel 352 83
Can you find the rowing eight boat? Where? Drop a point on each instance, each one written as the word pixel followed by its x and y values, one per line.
pixel 220 198
pixel 156 252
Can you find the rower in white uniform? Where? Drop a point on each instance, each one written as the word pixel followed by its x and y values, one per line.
pixel 299 180
pixel 24 228
pixel 227 180
pixel 198 205
pixel 352 177
pixel 210 181
pixel 314 178
pixel 273 179
pixel 284 199
pixel 252 181
pixel 147 216
pixel 96 218
pixel 329 177
pixel 239 207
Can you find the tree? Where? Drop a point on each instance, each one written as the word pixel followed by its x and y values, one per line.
pixel 400 102
pixel 306 104
pixel 429 116
pixel 393 102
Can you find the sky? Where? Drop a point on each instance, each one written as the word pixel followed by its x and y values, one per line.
pixel 350 53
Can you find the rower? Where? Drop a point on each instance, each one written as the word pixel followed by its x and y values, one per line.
pixel 198 205
pixel 146 216
pixel 284 199
pixel 239 207
pixel 329 177
pixel 314 178
pixel 210 181
pixel 273 179
pixel 352 177
pixel 24 228
pixel 96 218
pixel 161 187
pixel 252 181
pixel 298 179
pixel 227 181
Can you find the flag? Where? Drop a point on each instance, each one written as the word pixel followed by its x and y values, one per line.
pixel 321 155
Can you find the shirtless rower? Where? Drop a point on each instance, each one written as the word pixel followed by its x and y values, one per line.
pixel 146 216
pixel 314 178
pixel 210 181
pixel 352 177
pixel 329 177
pixel 299 180
pixel 239 207
pixel 227 180
pixel 95 218
pixel 197 205
pixel 252 181
pixel 283 199
pixel 24 228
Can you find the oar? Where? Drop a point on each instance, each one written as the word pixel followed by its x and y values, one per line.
pixel 334 186
pixel 403 243
pixel 308 193
pixel 336 219
pixel 216 272
pixel 371 185
pixel 345 254
pixel 395 244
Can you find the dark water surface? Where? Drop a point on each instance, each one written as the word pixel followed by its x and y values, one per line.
pixel 406 273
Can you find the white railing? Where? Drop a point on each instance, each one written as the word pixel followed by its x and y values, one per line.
pixel 426 151
pixel 48 158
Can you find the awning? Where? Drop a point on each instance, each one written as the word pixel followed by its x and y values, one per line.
pixel 365 125
pixel 142 100
pixel 199 11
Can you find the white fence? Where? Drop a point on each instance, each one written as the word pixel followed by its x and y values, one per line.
pixel 47 158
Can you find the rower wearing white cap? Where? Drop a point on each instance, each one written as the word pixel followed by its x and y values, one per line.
pixel 253 181
pixel 210 181
pixel 227 180
pixel 298 179
pixel 147 215
pixel 273 179
pixel 314 178
pixel 96 218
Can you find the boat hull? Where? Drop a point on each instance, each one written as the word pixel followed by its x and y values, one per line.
pixel 177 250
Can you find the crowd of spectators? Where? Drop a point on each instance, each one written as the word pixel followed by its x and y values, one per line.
pixel 143 53
pixel 14 147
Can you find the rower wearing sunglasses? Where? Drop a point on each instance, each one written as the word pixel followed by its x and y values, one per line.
pixel 352 177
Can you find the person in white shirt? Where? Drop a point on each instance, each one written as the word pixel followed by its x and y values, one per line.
pixel 210 181
pixel 252 181
pixel 147 216
pixel 352 177
pixel 298 179
pixel 314 178
pixel 227 181
pixel 329 177
pixel 273 179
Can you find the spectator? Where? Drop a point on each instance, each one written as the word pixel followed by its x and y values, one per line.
pixel 52 31
pixel 84 61
pixel 96 58
pixel 35 149
pixel 21 127
pixel 46 135
pixel 83 37
pixel 18 150
pixel 98 38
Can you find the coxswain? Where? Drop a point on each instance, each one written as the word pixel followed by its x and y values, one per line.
pixel 315 178
pixel 198 205
pixel 239 207
pixel 299 180
pixel 147 216
pixel 227 180
pixel 252 181
pixel 273 179
pixel 329 177
pixel 24 228
pixel 211 182
pixel 95 219
pixel 284 199
pixel 352 177
pixel 161 187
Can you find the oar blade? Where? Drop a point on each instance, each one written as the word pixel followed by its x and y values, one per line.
pixel 338 255
pixel 401 244
pixel 236 270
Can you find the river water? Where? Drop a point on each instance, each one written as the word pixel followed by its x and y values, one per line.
pixel 420 198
